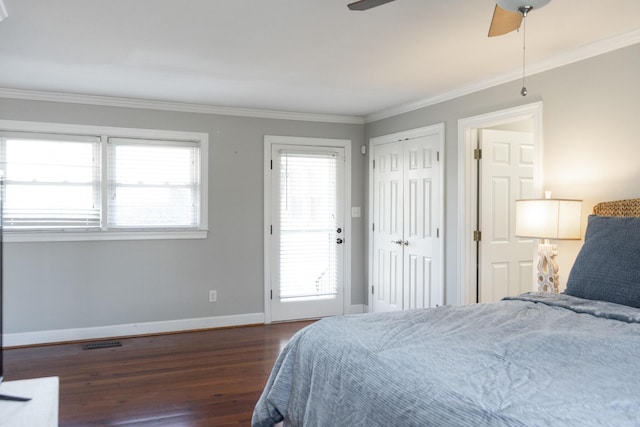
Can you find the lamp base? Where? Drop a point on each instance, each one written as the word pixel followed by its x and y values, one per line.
pixel 547 268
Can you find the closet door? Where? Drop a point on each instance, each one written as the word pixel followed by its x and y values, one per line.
pixel 421 247
pixel 406 202
pixel 388 231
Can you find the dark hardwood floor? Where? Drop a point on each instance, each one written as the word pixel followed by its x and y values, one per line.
pixel 205 378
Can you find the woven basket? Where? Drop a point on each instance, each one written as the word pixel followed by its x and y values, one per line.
pixel 629 207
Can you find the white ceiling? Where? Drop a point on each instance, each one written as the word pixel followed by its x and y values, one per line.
pixel 309 56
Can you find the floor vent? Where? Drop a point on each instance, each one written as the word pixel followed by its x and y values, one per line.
pixel 101 344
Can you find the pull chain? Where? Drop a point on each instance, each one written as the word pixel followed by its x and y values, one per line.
pixel 523 92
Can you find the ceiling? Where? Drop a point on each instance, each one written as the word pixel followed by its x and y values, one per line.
pixel 305 56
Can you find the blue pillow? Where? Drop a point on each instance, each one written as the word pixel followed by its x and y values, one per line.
pixel 608 265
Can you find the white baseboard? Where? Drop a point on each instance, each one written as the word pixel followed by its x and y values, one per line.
pixel 100 332
pixel 132 329
pixel 359 309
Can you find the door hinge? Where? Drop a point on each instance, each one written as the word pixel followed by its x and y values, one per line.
pixel 372 290
pixel 477 235
pixel 477 154
pixel 437 232
pixel 374 164
pixel 271 230
pixel 373 226
pixel 271 164
pixel 437 156
pixel 271 294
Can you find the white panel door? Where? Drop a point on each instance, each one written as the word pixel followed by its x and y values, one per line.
pixel 506 174
pixel 307 197
pixel 421 247
pixel 388 237
pixel 406 251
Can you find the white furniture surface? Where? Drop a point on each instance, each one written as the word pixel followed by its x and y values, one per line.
pixel 40 411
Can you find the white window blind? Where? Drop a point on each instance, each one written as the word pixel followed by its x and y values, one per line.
pixel 153 184
pixel 308 257
pixel 50 181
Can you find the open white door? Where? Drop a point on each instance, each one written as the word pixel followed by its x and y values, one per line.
pixel 506 174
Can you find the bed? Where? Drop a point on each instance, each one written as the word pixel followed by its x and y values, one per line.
pixel 537 359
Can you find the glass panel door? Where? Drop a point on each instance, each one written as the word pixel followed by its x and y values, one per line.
pixel 308 189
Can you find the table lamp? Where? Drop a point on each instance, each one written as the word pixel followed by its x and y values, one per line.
pixel 557 219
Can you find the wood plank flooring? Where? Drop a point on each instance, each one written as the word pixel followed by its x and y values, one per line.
pixel 193 379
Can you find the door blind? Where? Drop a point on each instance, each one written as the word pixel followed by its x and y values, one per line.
pixel 308 253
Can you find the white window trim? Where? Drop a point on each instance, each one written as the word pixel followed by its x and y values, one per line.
pixel 113 132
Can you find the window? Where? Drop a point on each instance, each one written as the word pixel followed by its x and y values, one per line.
pixel 109 183
pixel 153 184
pixel 50 182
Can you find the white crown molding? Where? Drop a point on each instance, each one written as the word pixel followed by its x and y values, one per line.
pixel 109 101
pixel 584 52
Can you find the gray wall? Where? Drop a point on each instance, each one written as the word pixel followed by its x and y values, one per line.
pixel 591 148
pixel 591 137
pixel 64 285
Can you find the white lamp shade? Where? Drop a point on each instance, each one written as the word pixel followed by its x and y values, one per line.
pixel 515 5
pixel 557 219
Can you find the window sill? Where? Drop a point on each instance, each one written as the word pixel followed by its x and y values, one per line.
pixel 83 236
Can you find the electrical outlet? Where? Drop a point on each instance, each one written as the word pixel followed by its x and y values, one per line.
pixel 213 296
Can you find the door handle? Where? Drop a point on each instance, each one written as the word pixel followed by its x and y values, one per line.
pixel 339 241
pixel 401 242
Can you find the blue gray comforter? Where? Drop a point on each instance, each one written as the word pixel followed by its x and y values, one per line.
pixel 534 360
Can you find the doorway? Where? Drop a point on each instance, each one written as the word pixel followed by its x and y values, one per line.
pixel 307 232
pixel 472 251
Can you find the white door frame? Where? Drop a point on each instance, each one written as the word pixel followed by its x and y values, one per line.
pixel 399 136
pixel 467 185
pixel 270 140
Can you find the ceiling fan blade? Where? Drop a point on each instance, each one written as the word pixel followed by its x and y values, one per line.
pixel 367 4
pixel 504 22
